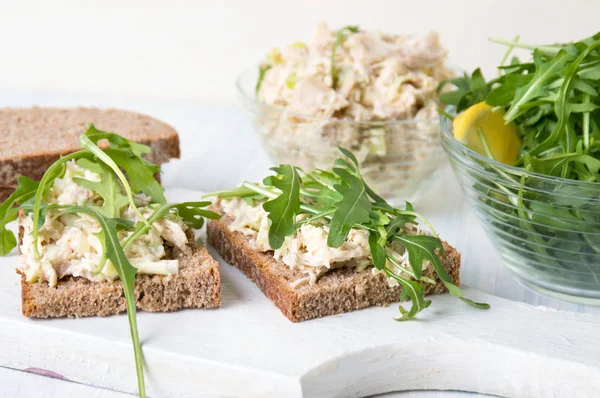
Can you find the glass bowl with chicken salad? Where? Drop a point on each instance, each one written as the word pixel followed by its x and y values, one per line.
pixel 372 93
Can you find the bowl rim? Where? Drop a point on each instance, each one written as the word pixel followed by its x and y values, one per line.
pixel 448 137
pixel 251 98
pixel 453 155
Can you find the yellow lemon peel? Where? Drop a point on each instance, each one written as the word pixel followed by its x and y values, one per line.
pixel 502 139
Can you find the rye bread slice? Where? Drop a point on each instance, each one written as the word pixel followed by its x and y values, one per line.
pixel 197 285
pixel 31 139
pixel 337 291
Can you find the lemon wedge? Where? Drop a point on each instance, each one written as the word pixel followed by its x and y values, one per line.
pixel 502 139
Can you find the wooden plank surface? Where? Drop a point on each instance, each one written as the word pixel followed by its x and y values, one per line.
pixel 247 348
pixel 514 349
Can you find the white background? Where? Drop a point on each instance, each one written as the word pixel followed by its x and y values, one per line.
pixel 185 49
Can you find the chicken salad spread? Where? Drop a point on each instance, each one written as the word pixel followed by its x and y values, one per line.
pixel 69 244
pixel 375 76
pixel 307 250
pixel 370 92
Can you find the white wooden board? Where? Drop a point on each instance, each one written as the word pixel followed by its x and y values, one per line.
pixel 248 349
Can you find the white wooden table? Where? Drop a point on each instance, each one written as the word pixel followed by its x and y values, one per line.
pixel 215 142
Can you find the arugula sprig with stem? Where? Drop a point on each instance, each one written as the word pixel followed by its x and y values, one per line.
pixel 342 199
pixel 122 172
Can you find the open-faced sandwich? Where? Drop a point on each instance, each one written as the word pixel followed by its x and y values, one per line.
pixel 324 243
pixel 99 215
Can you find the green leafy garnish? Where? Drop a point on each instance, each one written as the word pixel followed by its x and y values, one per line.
pixel 108 188
pixel 469 90
pixel 122 172
pixel 26 190
pixel 410 290
pixel 140 172
pixel 88 144
pixel 284 208
pixel 115 253
pixel 353 208
pixel 554 100
pixel 342 199
pixel 340 36
pixel 192 214
pixel 262 70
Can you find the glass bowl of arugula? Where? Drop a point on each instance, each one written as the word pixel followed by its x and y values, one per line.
pixel 397 157
pixel 542 213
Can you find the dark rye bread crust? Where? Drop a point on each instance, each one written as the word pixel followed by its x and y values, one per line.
pixel 337 291
pixel 31 139
pixel 197 285
pixel 5 193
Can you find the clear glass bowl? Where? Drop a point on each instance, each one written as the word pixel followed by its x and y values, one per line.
pixel 547 229
pixel 397 157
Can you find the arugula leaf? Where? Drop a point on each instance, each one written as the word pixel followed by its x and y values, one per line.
pixel 560 106
pixel 115 253
pixel 91 146
pixel 193 215
pixel 414 291
pixel 350 155
pixel 141 175
pixel 503 94
pixel 240 192
pixel 26 189
pixel 353 208
pixel 378 252
pixel 7 240
pixel 550 165
pixel 262 70
pixel 284 208
pixel 108 188
pixel 117 141
pixel 397 223
pixel 318 187
pixel 544 72
pixel 378 199
pixel 422 248
pixel 470 90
